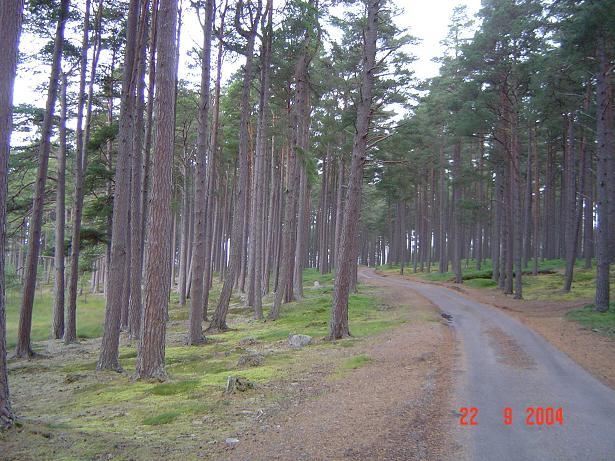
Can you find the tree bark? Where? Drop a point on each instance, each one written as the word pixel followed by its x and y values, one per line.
pixel 118 266
pixel 57 324
pixel 23 348
pixel 135 305
pixel 604 127
pixel 259 164
pixel 199 284
pixel 10 30
pixel 338 327
pixel 151 350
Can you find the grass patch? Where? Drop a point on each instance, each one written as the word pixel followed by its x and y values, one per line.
pixel 481 283
pixel 600 322
pixel 356 362
pixel 162 418
pixel 90 315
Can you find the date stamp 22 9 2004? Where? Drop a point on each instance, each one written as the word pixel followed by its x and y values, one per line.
pixel 534 416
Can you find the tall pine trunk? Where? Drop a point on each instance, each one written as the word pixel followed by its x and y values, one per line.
pixel 259 170
pixel 119 264
pixel 338 327
pixel 57 324
pixel 23 348
pixel 604 135
pixel 199 284
pixel 136 247
pixel 151 350
pixel 70 334
pixel 10 30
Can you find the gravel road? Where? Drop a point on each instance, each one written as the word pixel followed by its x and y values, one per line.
pixel 505 364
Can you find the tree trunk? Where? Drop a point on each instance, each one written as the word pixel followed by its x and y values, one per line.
pixel 185 233
pixel 338 327
pixel 199 284
pixel 10 29
pixel 572 209
pixel 516 195
pixel 118 266
pixel 147 149
pixel 135 306
pixel 70 334
pixel 23 348
pixel 259 163
pixel 150 354
pixel 536 198
pixel 57 327
pixel 443 265
pixel 456 225
pixel 213 200
pixel 604 127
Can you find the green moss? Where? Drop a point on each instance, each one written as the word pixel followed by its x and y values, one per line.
pixel 180 387
pixel 600 322
pixel 163 418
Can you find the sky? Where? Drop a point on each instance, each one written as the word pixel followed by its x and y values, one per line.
pixel 428 20
pixel 425 20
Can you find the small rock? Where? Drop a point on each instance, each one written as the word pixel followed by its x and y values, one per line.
pixel 253 359
pixel 298 341
pixel 231 442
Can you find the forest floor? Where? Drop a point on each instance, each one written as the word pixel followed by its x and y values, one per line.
pixel 566 320
pixel 378 394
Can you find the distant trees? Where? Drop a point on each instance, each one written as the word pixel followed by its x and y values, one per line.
pixel 502 150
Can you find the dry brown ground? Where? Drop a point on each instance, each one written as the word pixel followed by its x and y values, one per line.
pixel 594 352
pixel 394 408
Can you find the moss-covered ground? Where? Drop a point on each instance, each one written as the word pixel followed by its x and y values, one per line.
pixel 67 410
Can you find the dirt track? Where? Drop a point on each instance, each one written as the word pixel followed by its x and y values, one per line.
pixel 396 407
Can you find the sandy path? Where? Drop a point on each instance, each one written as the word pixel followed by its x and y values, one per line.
pixel 396 407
